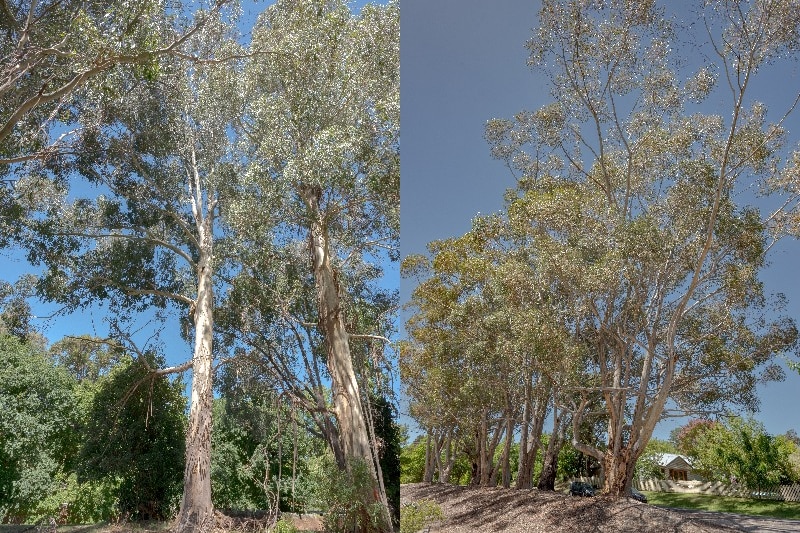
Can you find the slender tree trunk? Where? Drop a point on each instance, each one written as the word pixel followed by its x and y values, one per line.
pixel 196 508
pixel 475 473
pixel 528 453
pixel 427 476
pixel 523 437
pixel 331 434
pixel 438 455
pixel 507 451
pixel 493 468
pixel 547 477
pixel 346 395
pixel 485 458
pixel 475 458
pixel 449 458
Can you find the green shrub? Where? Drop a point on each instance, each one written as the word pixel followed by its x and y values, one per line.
pixel 134 432
pixel 412 462
pixel 282 526
pixel 416 515
pixel 87 502
pixel 342 495
pixel 37 414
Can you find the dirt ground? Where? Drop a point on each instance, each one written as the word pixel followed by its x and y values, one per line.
pixel 304 523
pixel 468 509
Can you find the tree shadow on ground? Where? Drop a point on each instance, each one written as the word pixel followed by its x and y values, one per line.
pixel 476 509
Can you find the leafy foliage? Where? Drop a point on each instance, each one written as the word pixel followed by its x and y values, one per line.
pixel 687 438
pixel 57 55
pixel 744 452
pixel 388 434
pixel 135 433
pixel 79 502
pixel 38 411
pixel 342 494
pixel 85 358
pixel 412 461
pixel 415 516
pixel 260 454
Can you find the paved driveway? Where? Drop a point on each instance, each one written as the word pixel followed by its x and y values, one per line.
pixel 751 524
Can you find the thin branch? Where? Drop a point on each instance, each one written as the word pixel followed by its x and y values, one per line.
pixel 373 337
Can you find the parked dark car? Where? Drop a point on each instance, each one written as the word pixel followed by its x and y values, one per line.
pixel 638 496
pixel 579 488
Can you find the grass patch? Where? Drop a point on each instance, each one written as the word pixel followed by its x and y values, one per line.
pixel 726 504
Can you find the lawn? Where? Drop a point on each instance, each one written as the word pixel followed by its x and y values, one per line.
pixel 726 504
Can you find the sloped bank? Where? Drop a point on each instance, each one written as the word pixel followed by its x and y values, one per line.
pixel 471 509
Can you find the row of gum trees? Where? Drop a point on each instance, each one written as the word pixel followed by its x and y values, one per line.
pixel 621 279
pixel 153 159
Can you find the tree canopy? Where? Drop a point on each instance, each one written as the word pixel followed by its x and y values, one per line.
pixel 628 241
pixel 198 161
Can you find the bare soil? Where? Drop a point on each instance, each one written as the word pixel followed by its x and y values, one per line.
pixel 471 509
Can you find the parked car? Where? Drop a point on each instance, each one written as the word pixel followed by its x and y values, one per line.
pixel 638 496
pixel 579 488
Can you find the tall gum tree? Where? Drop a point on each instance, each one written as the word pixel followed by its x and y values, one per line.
pixel 325 123
pixel 628 194
pixel 158 154
pixel 487 352
pixel 50 51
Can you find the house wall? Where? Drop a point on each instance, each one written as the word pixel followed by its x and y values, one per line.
pixel 680 475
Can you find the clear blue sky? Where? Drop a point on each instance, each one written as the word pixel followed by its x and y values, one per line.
pixel 463 62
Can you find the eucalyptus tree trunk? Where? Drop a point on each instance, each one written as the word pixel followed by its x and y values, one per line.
pixel 506 459
pixel 446 467
pixel 618 472
pixel 547 477
pixel 196 510
pixel 430 460
pixel 487 447
pixel 483 451
pixel 532 425
pixel 347 406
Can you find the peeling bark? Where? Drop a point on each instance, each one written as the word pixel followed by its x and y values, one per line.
pixel 196 507
pixel 347 406
pixel 619 469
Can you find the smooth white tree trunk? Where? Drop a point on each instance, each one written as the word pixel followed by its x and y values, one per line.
pixel 197 510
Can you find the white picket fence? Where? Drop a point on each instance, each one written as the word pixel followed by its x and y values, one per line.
pixel 789 493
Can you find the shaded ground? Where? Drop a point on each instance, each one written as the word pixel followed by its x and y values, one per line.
pixel 139 527
pixel 468 509
pixel 303 523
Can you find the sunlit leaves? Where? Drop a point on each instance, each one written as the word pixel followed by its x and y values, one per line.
pixel 629 210
pixel 325 112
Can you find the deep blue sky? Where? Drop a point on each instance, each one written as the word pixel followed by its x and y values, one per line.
pixel 463 62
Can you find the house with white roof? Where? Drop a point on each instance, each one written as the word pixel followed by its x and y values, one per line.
pixel 676 467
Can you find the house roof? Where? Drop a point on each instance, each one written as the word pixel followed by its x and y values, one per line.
pixel 674 461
